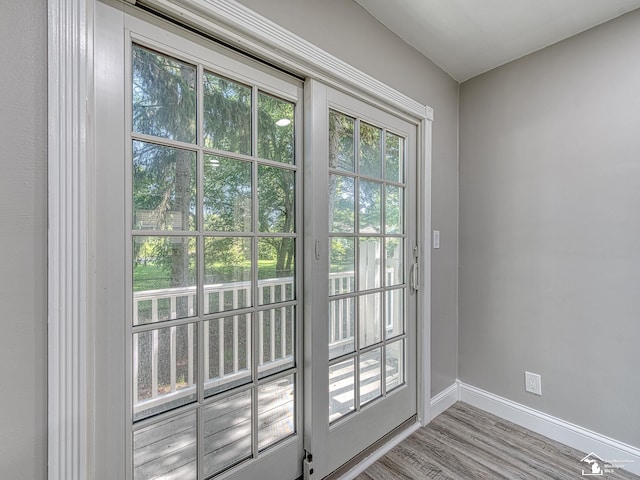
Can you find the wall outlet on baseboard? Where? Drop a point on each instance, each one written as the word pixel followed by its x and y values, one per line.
pixel 533 383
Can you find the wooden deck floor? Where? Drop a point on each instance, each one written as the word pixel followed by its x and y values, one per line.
pixel 466 443
pixel 167 450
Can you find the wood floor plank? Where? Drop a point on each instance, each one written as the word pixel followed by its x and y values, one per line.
pixel 467 443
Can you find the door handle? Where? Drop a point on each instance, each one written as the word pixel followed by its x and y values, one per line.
pixel 415 282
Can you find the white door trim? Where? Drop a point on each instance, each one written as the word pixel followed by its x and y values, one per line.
pixel 71 157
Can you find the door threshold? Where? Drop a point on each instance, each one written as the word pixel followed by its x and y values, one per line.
pixel 378 449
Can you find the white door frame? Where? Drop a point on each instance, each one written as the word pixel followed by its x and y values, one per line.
pixel 71 169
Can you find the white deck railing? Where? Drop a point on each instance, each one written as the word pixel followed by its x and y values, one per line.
pixel 153 306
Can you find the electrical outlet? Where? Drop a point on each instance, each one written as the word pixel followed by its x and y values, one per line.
pixel 533 383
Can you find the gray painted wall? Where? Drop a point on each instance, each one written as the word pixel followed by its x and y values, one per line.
pixel 550 229
pixel 23 231
pixel 348 32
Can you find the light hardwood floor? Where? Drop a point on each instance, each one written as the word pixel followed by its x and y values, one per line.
pixel 465 443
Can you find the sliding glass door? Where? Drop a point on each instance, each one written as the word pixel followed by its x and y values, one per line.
pixel 362 311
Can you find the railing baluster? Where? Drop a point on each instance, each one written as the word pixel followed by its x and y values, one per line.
pixel 174 311
pixel 190 299
pixel 154 309
pixel 272 325
pixel 283 321
pixel 172 355
pixel 248 344
pixel 340 336
pixel 154 363
pixel 260 337
pixel 190 354
pixel 207 370
pixel 136 310
pixel 136 339
pixel 235 344
pixel 206 301
pixel 221 347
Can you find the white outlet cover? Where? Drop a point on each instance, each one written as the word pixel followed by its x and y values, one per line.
pixel 533 383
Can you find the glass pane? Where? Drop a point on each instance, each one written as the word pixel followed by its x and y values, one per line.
pixel 276 336
pixel 394 158
pixel 341 203
pixel 275 129
pixel 227 115
pixel 276 270
pixel 342 266
pixel 394 313
pixel 370 150
pixel 164 187
pixel 342 326
pixel 341 142
pixel 276 412
pixel 227 194
pixel 370 319
pixel 370 381
pixel 394 200
pixel 342 381
pixel 164 369
pixel 369 207
pixel 369 264
pixel 164 279
pixel 227 353
pixel 276 199
pixel 227 273
pixel 164 96
pixel 395 261
pixel 395 365
pixel 227 432
pixel 166 449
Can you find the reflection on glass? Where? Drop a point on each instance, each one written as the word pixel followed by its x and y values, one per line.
pixel 341 203
pixel 276 335
pixel 276 270
pixel 276 199
pixel 164 279
pixel 164 96
pixel 394 273
pixel 369 263
pixel 275 129
pixel 164 369
pixel 342 325
pixel 395 365
pixel 227 432
pixel 227 115
pixel 394 199
pixel 276 412
pixel 342 383
pixel 394 313
pixel 227 350
pixel 166 448
pixel 164 187
pixel 227 273
pixel 370 319
pixel 394 158
pixel 342 262
pixel 341 143
pixel 370 378
pixel 370 207
pixel 370 150
pixel 227 194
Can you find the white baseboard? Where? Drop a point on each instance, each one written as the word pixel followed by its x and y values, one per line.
pixel 378 454
pixel 444 400
pixel 572 435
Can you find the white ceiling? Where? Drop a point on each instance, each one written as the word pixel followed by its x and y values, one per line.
pixel 469 37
